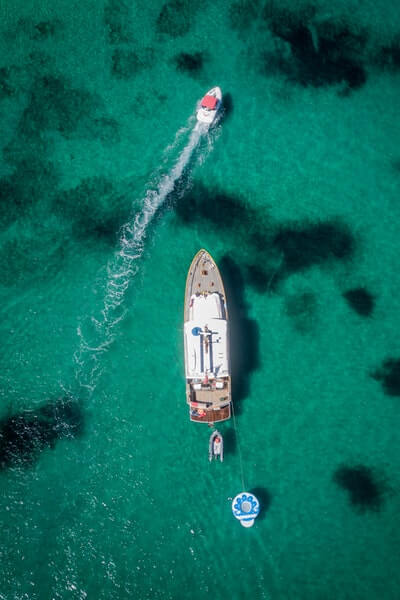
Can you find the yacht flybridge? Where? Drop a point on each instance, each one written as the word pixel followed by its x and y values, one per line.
pixel 209 106
pixel 206 341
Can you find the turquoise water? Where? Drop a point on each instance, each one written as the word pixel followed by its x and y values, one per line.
pixel 106 195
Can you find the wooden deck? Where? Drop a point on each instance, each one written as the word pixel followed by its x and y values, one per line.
pixel 213 416
pixel 203 277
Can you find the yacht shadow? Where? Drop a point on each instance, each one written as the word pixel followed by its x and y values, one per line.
pixel 264 498
pixel 244 332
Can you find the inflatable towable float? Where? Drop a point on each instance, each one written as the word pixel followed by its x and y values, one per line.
pixel 245 508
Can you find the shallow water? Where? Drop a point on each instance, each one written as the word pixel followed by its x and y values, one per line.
pixel 106 489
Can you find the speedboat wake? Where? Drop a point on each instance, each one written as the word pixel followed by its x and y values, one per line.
pixel 96 334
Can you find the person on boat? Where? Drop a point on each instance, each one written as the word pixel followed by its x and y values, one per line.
pixel 217 445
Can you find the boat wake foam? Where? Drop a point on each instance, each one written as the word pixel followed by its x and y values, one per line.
pixel 97 334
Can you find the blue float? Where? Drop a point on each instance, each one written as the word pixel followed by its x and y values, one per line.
pixel 245 508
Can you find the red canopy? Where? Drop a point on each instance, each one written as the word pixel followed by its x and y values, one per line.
pixel 209 102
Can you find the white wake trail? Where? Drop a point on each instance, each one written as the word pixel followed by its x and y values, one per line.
pixel 99 333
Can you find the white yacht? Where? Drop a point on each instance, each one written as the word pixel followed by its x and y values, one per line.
pixel 206 341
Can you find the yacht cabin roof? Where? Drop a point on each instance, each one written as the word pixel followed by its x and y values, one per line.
pixel 206 336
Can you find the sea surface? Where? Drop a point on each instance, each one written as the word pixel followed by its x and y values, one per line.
pixel 106 194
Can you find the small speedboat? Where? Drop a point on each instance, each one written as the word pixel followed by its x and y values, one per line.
pixel 209 106
pixel 216 446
